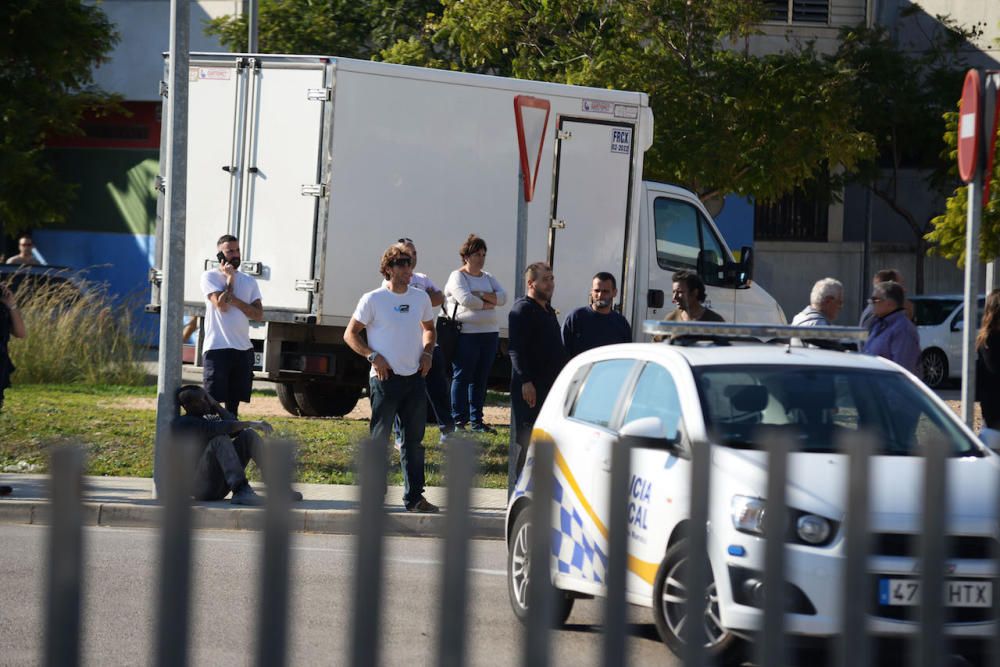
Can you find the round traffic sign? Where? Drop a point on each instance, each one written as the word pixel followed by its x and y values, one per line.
pixel 968 127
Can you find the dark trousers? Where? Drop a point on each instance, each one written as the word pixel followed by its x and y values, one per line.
pixel 405 396
pixel 474 357
pixel 222 465
pixel 228 376
pixel 438 394
pixel 522 422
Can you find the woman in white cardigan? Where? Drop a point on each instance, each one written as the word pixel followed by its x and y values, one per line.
pixel 478 294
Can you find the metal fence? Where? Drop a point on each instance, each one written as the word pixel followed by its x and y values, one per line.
pixel 853 647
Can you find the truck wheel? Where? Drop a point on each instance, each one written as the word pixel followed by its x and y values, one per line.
pixel 286 396
pixel 519 572
pixel 324 399
pixel 670 613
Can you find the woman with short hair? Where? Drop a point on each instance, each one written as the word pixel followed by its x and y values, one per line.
pixel 891 334
pixel 478 295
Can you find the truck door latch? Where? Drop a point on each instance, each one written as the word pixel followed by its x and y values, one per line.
pixel 563 135
pixel 555 223
pixel 319 94
pixel 306 285
pixel 314 190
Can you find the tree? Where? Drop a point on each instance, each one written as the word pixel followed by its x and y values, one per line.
pixel 726 121
pixel 344 28
pixel 46 86
pixel 903 92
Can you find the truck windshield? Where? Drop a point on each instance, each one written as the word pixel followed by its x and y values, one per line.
pixel 817 406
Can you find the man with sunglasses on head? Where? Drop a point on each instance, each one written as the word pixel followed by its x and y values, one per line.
pixel 26 248
pixel 399 321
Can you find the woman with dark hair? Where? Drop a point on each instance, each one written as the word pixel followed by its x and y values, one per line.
pixel 477 295
pixel 891 334
pixel 988 362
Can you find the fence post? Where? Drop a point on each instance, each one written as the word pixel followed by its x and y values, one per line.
pixel 540 590
pixel 368 584
pixel 462 456
pixel 697 561
pixel 773 650
pixel 615 607
pixel 932 554
pixel 272 626
pixel 857 602
pixel 62 631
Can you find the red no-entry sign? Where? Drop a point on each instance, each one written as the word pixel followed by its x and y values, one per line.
pixel 968 127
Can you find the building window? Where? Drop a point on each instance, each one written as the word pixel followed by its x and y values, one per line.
pixel 798 11
pixel 801 216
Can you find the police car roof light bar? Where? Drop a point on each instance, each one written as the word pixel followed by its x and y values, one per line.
pixel 758 331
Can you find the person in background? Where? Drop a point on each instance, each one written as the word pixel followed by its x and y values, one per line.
pixel 232 299
pixel 437 379
pixel 11 324
pixel 478 294
pixel 689 298
pixel 227 443
pixel 825 302
pixel 884 276
pixel 537 355
pixel 598 324
pixel 26 248
pixel 988 362
pixel 891 334
pixel 399 321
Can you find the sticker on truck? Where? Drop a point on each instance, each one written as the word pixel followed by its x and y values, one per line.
pixel 621 140
pixel 597 106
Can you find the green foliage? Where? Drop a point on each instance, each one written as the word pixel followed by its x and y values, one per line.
pixel 74 335
pixel 47 51
pixel 725 121
pixel 342 28
pixel 948 235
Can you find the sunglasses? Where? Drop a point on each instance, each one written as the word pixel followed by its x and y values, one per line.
pixel 405 240
pixel 401 261
pixel 875 299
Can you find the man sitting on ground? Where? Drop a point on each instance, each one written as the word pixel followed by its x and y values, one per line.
pixel 228 445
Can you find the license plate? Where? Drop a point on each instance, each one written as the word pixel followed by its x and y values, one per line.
pixel 906 593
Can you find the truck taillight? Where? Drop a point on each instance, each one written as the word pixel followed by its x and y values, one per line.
pixel 315 364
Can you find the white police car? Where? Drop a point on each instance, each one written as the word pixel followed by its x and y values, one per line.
pixel 722 394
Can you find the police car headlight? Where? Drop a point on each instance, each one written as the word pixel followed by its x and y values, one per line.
pixel 748 514
pixel 812 529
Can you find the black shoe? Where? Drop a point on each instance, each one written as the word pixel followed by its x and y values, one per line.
pixel 422 506
pixel 6 490
pixel 245 495
pixel 483 428
pixel 296 496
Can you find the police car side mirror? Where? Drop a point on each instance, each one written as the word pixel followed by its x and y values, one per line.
pixel 649 433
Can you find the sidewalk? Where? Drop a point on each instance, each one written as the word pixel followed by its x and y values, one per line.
pixel 326 508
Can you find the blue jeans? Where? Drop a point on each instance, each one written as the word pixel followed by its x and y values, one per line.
pixel 437 394
pixel 474 357
pixel 402 395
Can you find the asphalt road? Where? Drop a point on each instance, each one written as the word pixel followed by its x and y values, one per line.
pixel 121 580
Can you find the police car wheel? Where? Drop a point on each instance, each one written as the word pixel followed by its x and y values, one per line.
pixel 669 607
pixel 519 572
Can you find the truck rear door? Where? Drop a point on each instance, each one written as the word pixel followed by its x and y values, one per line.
pixel 591 205
pixel 255 172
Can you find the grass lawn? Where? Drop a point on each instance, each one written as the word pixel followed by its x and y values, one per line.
pixel 119 435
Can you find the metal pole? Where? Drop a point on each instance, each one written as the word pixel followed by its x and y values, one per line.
pixel 520 264
pixel 252 27
pixel 168 371
pixel 971 294
pixel 65 557
pixel 992 82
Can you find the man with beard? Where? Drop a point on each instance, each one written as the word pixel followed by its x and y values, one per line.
pixel 598 324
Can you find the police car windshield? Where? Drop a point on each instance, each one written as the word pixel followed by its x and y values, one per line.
pixel 817 406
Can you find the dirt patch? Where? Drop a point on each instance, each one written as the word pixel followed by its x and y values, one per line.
pixel 270 406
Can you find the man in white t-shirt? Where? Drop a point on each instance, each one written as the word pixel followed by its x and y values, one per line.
pixel 399 320
pixel 232 299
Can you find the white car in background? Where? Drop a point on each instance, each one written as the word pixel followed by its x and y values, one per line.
pixel 675 397
pixel 939 320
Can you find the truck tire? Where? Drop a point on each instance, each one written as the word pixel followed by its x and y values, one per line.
pixel 323 399
pixel 286 396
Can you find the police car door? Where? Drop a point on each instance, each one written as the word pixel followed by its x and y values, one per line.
pixel 584 441
pixel 659 483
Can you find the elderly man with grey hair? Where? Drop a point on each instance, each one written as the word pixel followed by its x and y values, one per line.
pixel 825 303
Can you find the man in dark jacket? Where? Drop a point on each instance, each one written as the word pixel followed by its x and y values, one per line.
pixel 228 445
pixel 536 355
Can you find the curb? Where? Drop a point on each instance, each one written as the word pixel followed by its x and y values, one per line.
pixel 484 525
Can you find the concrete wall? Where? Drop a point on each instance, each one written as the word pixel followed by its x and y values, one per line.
pixel 788 270
pixel 136 64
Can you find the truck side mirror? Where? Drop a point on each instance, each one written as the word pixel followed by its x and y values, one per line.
pixel 746 265
pixel 649 433
pixel 710 268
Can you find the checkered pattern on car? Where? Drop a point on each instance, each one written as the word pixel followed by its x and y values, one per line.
pixel 575 553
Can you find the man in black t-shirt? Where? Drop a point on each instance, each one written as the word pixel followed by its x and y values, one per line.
pixel 597 324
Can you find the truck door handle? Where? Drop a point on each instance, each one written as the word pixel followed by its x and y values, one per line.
pixel 654 298
pixel 228 169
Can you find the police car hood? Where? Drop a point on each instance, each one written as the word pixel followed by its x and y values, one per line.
pixel 817 483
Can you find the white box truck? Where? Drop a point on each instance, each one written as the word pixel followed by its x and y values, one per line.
pixel 317 164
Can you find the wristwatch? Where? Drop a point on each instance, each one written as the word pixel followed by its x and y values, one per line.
pixel 371 357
